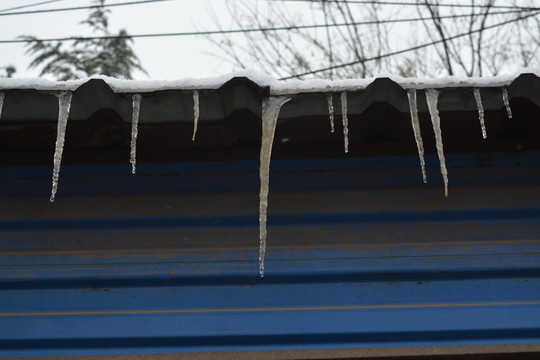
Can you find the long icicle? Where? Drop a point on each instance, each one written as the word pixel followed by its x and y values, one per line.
pixel 432 97
pixel 270 113
pixel 134 130
pixel 345 121
pixel 1 103
pixel 64 104
pixel 506 102
pixel 195 112
pixel 411 93
pixel 478 99
pixel 330 99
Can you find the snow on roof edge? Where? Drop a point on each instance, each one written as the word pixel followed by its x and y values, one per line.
pixel 277 87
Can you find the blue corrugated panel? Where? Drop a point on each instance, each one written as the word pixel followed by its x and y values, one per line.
pixel 360 254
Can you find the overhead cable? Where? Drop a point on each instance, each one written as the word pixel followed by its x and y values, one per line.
pixel 81 7
pixel 29 5
pixel 239 31
pixel 409 3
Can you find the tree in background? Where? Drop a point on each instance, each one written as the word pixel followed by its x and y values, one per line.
pixel 9 70
pixel 110 55
pixel 359 38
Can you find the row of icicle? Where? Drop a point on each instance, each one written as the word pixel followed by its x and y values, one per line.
pixel 270 113
pixel 272 106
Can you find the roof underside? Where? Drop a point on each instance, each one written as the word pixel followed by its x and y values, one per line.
pixel 230 127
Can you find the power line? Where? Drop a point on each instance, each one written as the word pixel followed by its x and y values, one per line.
pixel 406 3
pixel 81 7
pixel 29 5
pixel 409 49
pixel 366 2
pixel 237 31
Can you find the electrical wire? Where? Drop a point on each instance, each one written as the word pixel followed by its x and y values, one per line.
pixel 29 5
pixel 81 7
pixel 366 2
pixel 406 3
pixel 239 31
pixel 418 47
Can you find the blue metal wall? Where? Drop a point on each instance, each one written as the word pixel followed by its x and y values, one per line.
pixel 360 254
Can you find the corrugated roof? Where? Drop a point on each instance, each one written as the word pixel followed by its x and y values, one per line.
pixel 25 101
pixel 230 120
pixel 362 253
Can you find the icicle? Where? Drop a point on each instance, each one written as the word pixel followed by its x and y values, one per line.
pixel 1 102
pixel 506 102
pixel 195 112
pixel 432 97
pixel 331 111
pixel 134 122
pixel 64 104
pixel 478 99
pixel 270 113
pixel 416 128
pixel 345 120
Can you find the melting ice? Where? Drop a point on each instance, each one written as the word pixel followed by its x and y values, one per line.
pixel 270 113
pixel 64 104
pixel 416 128
pixel 345 120
pixel 331 111
pixel 506 102
pixel 478 99
pixel 1 102
pixel 195 112
pixel 134 123
pixel 432 97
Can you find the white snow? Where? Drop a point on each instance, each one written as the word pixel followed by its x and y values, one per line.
pixel 276 87
pixel 330 99
pixel 40 84
pixel 137 86
pixel 432 97
pixel 290 87
pixel 345 121
pixel 215 82
pixel 506 102
pixel 195 113
pixel 134 124
pixel 1 103
pixel 478 99
pixel 270 113
pixel 454 82
pixel 64 105
pixel 411 94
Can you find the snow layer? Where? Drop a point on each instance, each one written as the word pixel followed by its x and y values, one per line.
pixel 276 87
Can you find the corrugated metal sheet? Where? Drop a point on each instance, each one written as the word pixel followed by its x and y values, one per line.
pixel 361 253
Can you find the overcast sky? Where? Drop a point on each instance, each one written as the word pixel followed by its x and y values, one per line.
pixel 163 58
pixel 196 56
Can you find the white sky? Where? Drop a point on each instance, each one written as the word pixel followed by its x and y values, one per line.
pixel 163 58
